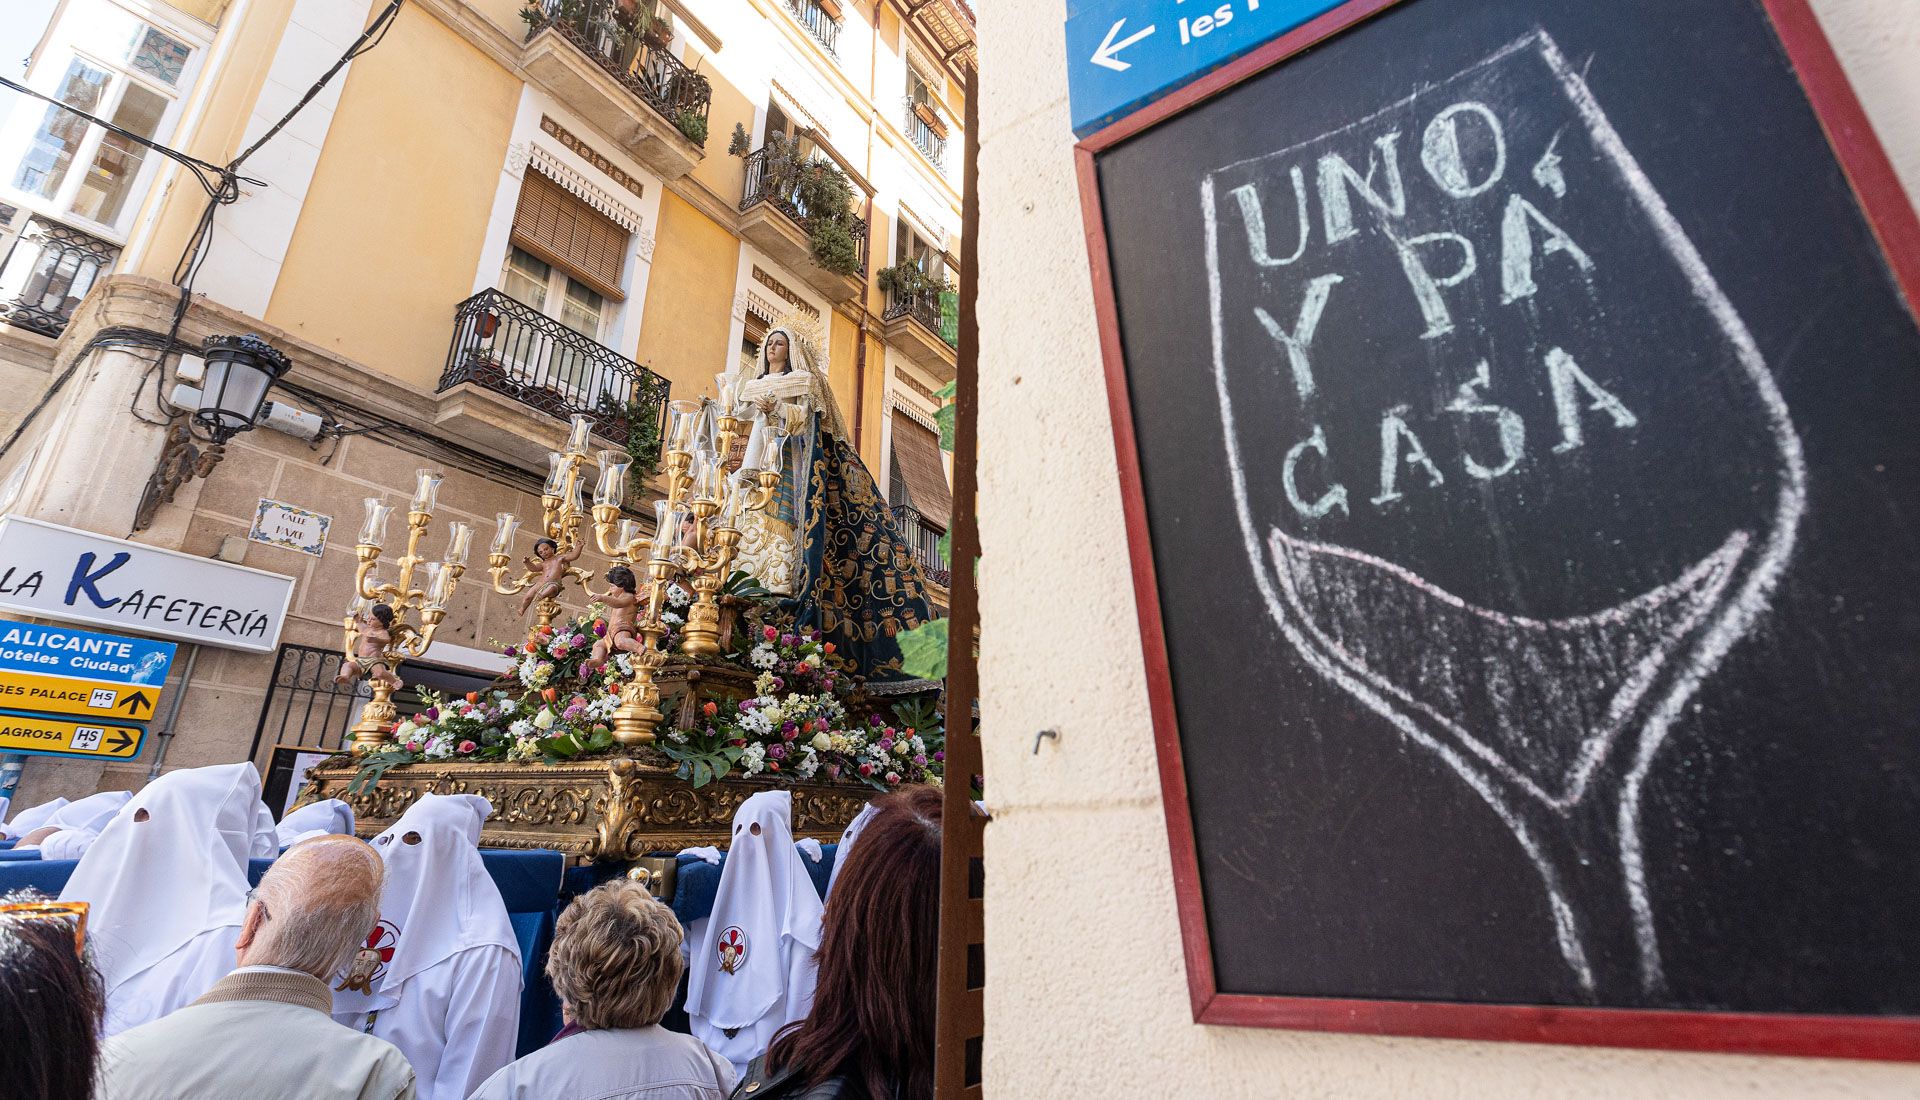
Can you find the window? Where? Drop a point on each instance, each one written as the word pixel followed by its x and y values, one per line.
pixel 565 260
pixel 910 247
pixel 917 474
pixel 750 338
pixel 111 65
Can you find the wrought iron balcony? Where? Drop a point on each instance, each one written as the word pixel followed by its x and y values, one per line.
pixel 47 272
pixel 774 175
pixel 920 305
pixel 507 346
pixel 927 129
pixel 824 27
pixel 603 31
pixel 924 534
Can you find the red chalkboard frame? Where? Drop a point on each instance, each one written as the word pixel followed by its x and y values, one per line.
pixel 1897 228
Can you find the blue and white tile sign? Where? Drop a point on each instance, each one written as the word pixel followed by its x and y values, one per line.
pixel 54 572
pixel 1124 54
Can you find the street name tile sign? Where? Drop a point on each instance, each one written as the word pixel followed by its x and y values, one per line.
pixel 56 572
pixel 47 735
pixel 1123 55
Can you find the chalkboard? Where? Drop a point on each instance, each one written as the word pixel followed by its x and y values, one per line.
pixel 1516 408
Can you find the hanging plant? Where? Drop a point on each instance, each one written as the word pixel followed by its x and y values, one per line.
pixel 737 145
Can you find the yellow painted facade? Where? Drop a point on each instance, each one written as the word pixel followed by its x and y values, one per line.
pixel 684 332
pixel 395 201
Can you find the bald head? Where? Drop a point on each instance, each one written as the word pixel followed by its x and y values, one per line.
pixel 314 907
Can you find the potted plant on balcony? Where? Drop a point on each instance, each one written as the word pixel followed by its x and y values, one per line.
pixel 827 198
pixel 904 280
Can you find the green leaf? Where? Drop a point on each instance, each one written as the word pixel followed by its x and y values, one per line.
pixel 946 392
pixel 943 418
pixel 702 773
pixel 945 548
pixel 923 650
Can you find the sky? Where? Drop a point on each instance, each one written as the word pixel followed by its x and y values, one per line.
pixel 21 24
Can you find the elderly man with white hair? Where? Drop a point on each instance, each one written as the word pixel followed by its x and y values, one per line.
pixel 264 1030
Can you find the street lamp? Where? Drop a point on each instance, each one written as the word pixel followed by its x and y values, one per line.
pixel 240 371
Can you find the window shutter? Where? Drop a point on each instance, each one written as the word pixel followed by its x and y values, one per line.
pixel 565 232
pixel 916 454
pixel 756 328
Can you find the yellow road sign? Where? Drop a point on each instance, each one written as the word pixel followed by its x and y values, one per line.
pixel 101 699
pixel 48 736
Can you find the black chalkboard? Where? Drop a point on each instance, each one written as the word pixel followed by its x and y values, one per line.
pixel 1524 412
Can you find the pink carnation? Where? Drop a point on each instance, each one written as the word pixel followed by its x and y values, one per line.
pixel 467 746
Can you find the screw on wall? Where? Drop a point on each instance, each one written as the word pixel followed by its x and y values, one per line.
pixel 1042 736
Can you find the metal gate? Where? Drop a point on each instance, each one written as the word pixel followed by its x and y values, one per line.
pixel 305 707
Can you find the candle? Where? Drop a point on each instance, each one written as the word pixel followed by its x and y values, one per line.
pixel 613 478
pixel 459 538
pixel 426 489
pixel 556 475
pixel 629 537
pixel 723 389
pixel 756 443
pixel 373 532
pixel 683 419
pixel 509 524
pixel 439 586
pixel 579 434
pixel 663 527
pixel 707 474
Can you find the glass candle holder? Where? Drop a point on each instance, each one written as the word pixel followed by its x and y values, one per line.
pixel 440 582
pixel 373 531
pixel 426 491
pixel 708 472
pixel 629 534
pixel 459 541
pixel 751 458
pixel 508 526
pixel 724 390
pixel 665 525
pixel 740 490
pixel 579 434
pixel 683 422
pixel 556 484
pixel 613 477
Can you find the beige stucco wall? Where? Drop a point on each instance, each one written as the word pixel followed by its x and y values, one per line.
pixel 1086 991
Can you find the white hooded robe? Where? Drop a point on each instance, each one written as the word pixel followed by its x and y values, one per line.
pixel 752 971
pixel 167 882
pixel 80 824
pixel 323 818
pixel 31 818
pixel 449 994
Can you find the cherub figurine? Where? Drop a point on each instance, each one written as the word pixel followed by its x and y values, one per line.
pixel 373 636
pixel 552 566
pixel 622 606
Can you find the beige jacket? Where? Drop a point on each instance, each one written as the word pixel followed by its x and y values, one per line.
pixel 256 1035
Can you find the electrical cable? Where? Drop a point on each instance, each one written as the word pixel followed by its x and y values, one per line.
pixel 211 176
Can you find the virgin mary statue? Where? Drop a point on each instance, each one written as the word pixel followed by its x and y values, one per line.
pixel 826 541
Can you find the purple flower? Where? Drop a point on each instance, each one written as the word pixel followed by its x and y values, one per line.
pixel 777 752
pixel 508 650
pixel 873 720
pixel 833 771
pixel 886 744
pixel 815 636
pixel 788 727
pixel 779 684
pixel 787 639
pixel 432 714
pixel 920 759
pixel 746 705
pixel 940 756
pixel 600 629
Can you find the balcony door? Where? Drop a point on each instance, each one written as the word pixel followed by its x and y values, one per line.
pixel 565 261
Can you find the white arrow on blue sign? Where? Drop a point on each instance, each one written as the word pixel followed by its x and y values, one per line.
pixel 1124 54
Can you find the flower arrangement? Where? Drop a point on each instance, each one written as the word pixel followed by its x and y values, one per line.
pixel 796 724
pixel 555 703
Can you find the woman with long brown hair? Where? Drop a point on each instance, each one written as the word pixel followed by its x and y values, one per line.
pixel 870 1033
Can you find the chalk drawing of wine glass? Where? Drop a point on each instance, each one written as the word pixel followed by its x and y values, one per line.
pixel 1539 607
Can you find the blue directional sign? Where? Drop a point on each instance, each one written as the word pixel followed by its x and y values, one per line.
pixel 83 654
pixel 1124 54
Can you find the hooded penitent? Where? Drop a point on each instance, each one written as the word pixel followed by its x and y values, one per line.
pixel 167 882
pixel 80 824
pixel 752 972
pixel 440 975
pixel 845 847
pixel 321 818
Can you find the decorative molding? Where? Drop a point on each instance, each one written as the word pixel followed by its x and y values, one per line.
pixel 740 306
pixel 760 276
pixel 591 155
pixel 517 155
pixel 759 307
pixel 916 385
pixel 646 242
pixel 934 231
pixel 810 117
pixel 549 164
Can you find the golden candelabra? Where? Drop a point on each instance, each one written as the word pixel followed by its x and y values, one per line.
pixel 378 633
pixel 560 520
pixel 696 531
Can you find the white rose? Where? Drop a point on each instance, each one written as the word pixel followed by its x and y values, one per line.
pixel 544 720
pixel 821 742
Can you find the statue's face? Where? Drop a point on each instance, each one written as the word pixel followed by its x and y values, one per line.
pixel 777 353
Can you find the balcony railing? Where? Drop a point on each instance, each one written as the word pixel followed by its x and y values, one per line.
pixel 773 177
pixel 47 272
pixel 927 130
pixel 649 71
pixel 824 28
pixel 921 305
pixel 924 533
pixel 509 347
